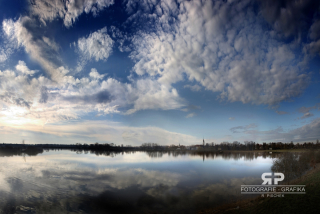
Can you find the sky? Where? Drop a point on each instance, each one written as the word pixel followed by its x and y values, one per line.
pixel 167 72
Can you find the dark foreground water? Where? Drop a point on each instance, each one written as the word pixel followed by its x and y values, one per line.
pixel 77 182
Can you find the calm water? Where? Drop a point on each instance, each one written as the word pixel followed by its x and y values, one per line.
pixel 70 182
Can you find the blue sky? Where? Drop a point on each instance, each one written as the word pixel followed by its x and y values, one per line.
pixel 167 72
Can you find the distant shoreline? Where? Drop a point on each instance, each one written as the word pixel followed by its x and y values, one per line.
pixel 107 147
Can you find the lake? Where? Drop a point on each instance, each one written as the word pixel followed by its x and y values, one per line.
pixel 134 182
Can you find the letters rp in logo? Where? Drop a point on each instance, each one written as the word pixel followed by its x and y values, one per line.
pixel 269 180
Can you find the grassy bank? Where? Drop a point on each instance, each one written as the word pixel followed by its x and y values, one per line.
pixel 244 151
pixel 277 150
pixel 286 150
pixel 308 203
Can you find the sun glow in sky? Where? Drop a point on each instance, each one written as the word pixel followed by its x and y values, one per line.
pixel 167 72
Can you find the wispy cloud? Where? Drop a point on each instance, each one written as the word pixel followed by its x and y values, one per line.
pixel 190 115
pixel 306 111
pixel 103 131
pixel 239 129
pixel 190 108
pixel 306 115
pixel 308 132
pixel 26 33
pixel 193 87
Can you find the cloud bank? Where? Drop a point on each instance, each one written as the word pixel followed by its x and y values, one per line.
pixel 223 47
pixel 244 51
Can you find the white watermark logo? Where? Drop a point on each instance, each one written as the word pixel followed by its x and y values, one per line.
pixel 269 180
pixel 271 188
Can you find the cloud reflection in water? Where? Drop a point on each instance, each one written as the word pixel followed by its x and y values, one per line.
pixel 66 182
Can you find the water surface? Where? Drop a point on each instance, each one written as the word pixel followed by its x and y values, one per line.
pixel 77 182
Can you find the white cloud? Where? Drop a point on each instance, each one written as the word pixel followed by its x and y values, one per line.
pixel 48 10
pixel 24 69
pixel 231 118
pixel 154 95
pixel 223 47
pixel 95 75
pixel 97 45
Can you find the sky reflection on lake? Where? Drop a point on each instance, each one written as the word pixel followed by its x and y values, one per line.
pixel 67 182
